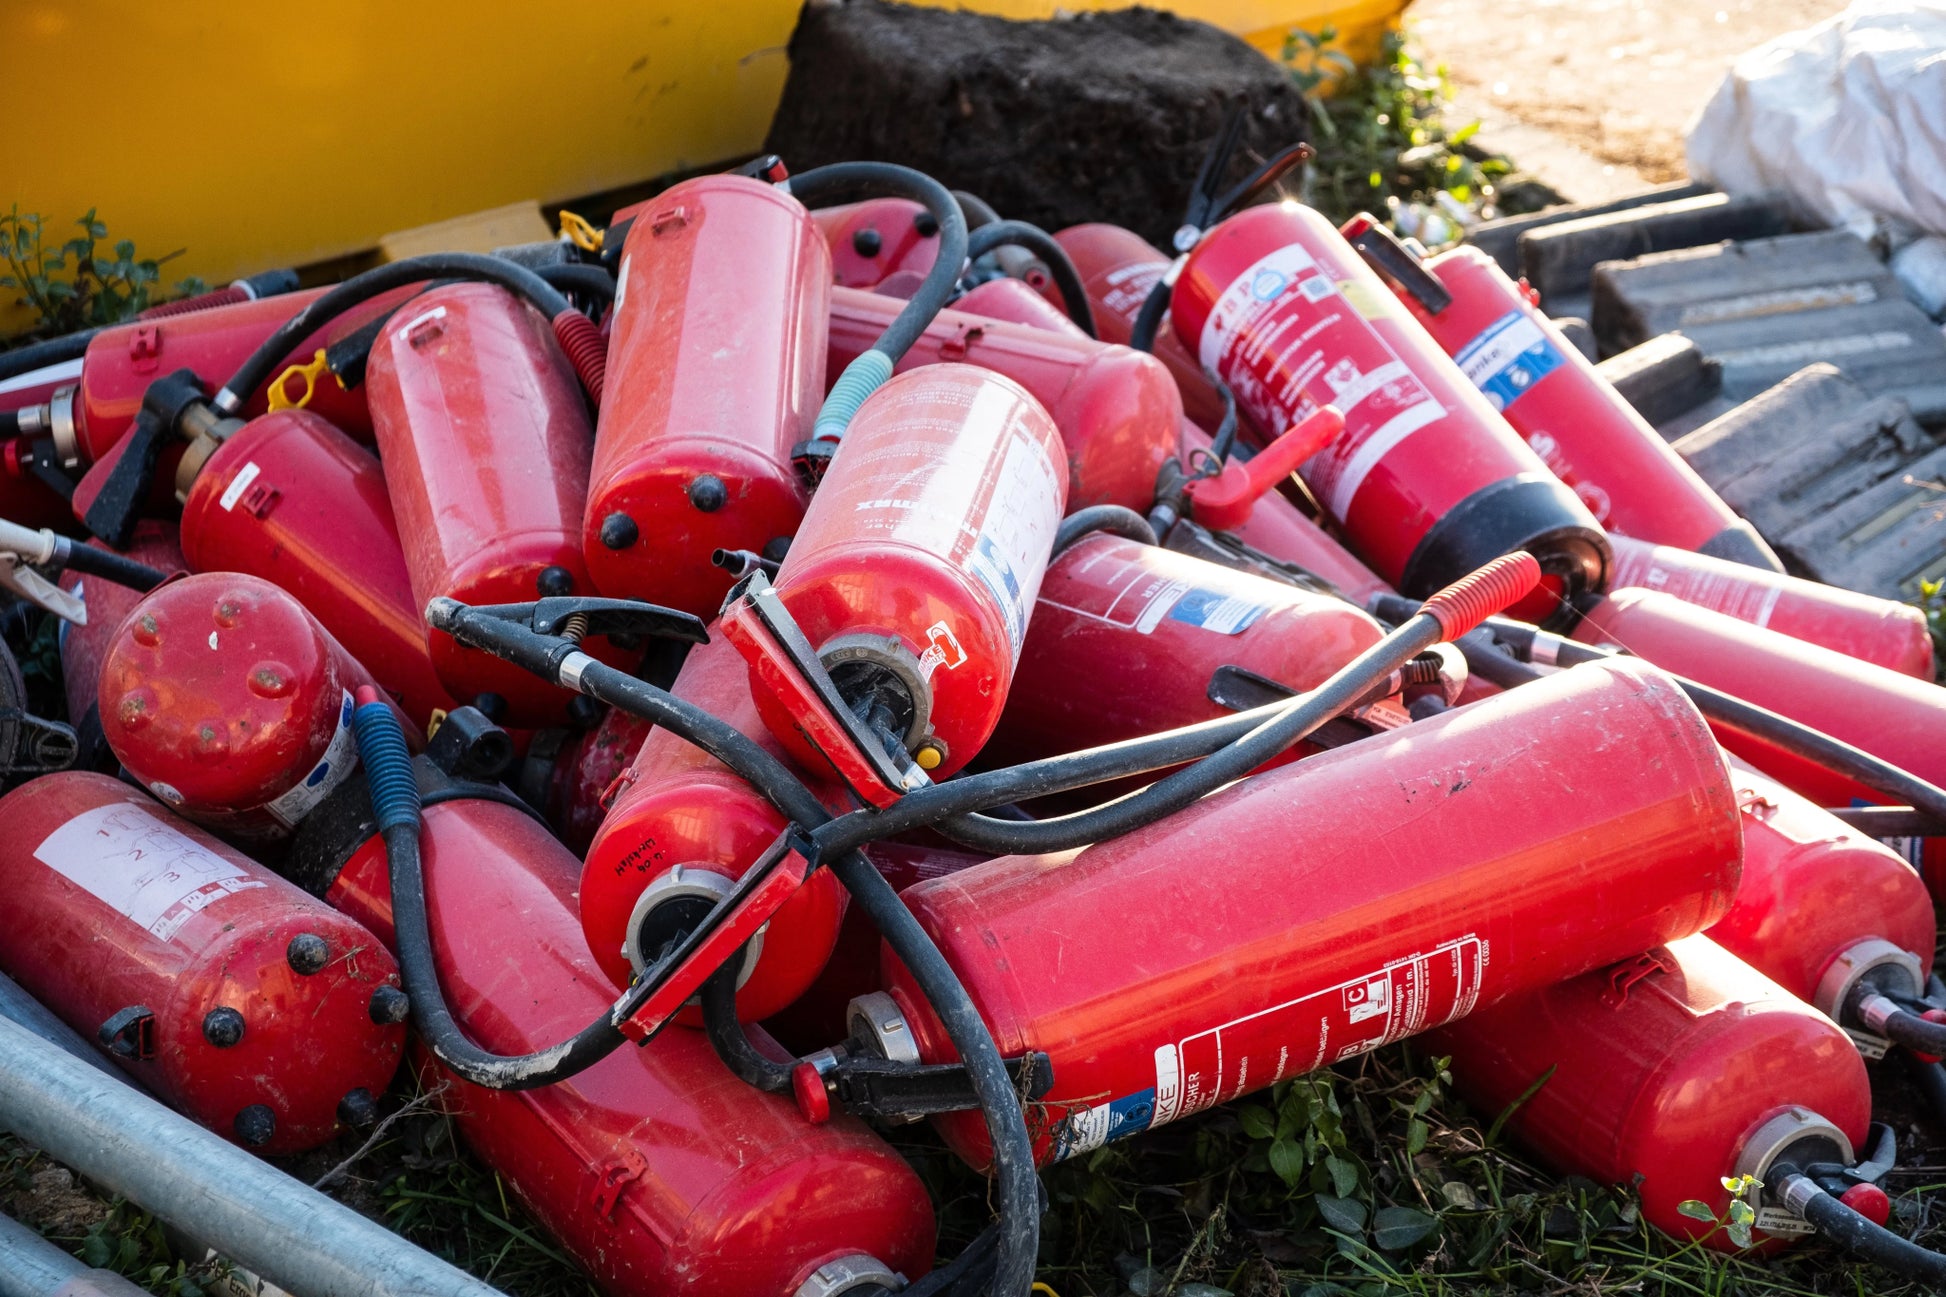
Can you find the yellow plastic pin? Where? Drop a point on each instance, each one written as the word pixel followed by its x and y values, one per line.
pixel 280 397
pixel 580 232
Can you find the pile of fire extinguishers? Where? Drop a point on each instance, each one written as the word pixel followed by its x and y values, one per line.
pixel 772 667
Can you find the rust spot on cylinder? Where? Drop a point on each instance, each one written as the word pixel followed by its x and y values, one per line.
pixel 270 680
pixel 136 708
pixel 229 610
pixel 147 632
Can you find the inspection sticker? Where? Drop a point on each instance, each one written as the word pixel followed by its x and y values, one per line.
pixel 139 866
pixel 339 760
pixel 1508 358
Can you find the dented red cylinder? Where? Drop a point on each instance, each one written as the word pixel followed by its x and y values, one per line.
pixel 485 439
pixel 1118 268
pixel 581 775
pixel 1892 635
pixel 228 701
pixel 1427 479
pixel 240 1001
pixel 1670 1072
pixel 156 543
pixel 1118 414
pixel 715 372
pixel 1820 904
pixel 1125 638
pixel 291 499
pixel 1575 420
pixel 918 562
pixel 656 1168
pixel 681 830
pixel 1366 894
pixel 878 238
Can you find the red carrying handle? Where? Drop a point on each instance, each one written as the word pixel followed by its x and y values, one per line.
pixel 1477 596
pixel 1224 502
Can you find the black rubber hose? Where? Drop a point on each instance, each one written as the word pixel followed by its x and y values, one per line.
pixel 1930 1078
pixel 1920 1035
pixel 1141 335
pixel 1225 439
pixel 822 186
pixel 977 210
pixel 109 566
pixel 256 370
pixel 39 355
pixel 1039 242
pixel 580 277
pixel 1889 821
pixel 1853 1232
pixel 1114 518
pixel 9 423
pixel 750 1064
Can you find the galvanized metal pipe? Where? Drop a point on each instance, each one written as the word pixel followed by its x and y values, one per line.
pixel 30 1266
pixel 17 1004
pixel 268 1222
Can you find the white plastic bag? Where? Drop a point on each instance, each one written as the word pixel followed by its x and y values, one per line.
pixel 1848 117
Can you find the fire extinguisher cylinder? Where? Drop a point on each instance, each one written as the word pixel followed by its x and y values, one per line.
pixel 1391 945
pixel 229 702
pixel 234 997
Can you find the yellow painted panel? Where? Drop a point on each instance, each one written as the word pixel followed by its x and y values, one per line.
pixel 275 134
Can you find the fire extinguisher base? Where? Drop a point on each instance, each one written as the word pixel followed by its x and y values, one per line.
pixel 1740 543
pixel 1523 512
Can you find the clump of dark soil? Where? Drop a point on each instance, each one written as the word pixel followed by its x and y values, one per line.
pixel 1096 117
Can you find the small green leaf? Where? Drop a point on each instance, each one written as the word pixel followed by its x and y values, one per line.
pixel 1344 1174
pixel 1346 1215
pixel 1287 1160
pixel 1400 1227
pixel 1695 1209
pixel 1256 1121
pixel 1739 1232
pixel 1416 1134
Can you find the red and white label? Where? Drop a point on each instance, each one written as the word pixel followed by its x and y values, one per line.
pixel 1404 996
pixel 1735 595
pixel 140 866
pixel 1286 341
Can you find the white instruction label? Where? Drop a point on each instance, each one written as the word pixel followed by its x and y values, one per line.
pixel 137 864
pixel 238 485
pixel 1018 532
pixel 339 760
pixel 1779 1220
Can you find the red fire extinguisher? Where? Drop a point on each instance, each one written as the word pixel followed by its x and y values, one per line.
pixel 1575 420
pixel 1428 480
pixel 1118 415
pixel 1823 910
pixel 820 1016
pixel 679 832
pixel 472 378
pixel 83 647
pixel 289 498
pixel 1675 1071
pixel 1149 628
pixel 914 574
pixel 876 239
pixel 570 776
pixel 1369 894
pixel 237 999
pixel 230 703
pixel 1119 267
pixel 1892 635
pixel 656 1168
pixel 1889 715
pixel 716 370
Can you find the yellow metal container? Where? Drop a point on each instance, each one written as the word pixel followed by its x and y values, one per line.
pixel 263 135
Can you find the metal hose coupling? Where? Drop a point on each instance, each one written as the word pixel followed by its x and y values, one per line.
pixel 1480 594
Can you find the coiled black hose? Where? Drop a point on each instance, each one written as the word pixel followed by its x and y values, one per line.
pixel 579 277
pixel 1141 334
pixel 256 369
pixel 39 355
pixel 732 1043
pixel 1853 1232
pixel 1074 295
pixel 109 566
pixel 1117 519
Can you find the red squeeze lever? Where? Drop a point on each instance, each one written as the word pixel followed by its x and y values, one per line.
pixel 1224 502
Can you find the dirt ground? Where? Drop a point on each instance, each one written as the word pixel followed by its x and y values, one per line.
pixel 1615 82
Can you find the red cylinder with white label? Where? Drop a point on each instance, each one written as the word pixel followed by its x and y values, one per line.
pixel 485 438
pixel 680 831
pixel 1821 905
pixel 228 701
pixel 1892 635
pixel 656 1168
pixel 1125 638
pixel 154 542
pixel 1118 414
pixel 291 499
pixel 1118 268
pixel 1427 479
pixel 915 571
pixel 1670 1072
pixel 715 371
pixel 1575 420
pixel 240 1001
pixel 876 239
pixel 1365 895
